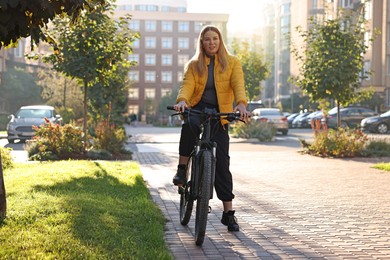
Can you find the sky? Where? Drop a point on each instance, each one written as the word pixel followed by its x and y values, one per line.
pixel 245 15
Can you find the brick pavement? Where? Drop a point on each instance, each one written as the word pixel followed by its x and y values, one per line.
pixel 288 205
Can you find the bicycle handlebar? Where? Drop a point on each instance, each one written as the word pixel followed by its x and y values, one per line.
pixel 232 116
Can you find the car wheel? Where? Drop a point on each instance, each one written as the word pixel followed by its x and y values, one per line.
pixel 382 128
pixel 11 141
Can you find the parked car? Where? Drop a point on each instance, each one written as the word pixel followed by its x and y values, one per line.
pixel 291 118
pixel 376 124
pixel 253 105
pixel 20 126
pixel 273 116
pixel 317 115
pixel 297 122
pixel 351 116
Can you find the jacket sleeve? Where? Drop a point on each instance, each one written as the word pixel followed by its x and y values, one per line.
pixel 187 88
pixel 238 82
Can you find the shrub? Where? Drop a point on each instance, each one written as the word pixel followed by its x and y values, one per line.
pixel 262 131
pixel 377 148
pixel 55 142
pixel 110 138
pixel 337 143
pixel 6 158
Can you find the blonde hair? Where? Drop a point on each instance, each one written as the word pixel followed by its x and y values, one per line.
pixel 200 56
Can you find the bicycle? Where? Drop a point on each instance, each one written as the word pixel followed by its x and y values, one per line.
pixel 200 171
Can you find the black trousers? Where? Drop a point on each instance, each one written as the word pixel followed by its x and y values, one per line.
pixel 223 177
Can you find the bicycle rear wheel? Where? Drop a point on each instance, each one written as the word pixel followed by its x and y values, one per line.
pixel 202 204
pixel 186 200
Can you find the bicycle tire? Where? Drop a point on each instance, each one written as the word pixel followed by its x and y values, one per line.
pixel 202 204
pixel 186 200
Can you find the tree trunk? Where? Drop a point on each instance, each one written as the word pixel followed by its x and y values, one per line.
pixel 3 201
pixel 85 115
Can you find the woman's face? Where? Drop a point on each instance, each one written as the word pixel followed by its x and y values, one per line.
pixel 210 42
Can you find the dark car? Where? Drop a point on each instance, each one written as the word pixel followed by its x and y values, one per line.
pixel 376 124
pixel 291 118
pixel 299 120
pixel 20 126
pixel 351 116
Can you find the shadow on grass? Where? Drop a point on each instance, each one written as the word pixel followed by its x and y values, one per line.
pixel 111 217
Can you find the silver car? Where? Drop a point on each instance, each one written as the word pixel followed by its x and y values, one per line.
pixel 273 116
pixel 20 126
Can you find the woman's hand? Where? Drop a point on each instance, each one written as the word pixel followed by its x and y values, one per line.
pixel 244 114
pixel 181 106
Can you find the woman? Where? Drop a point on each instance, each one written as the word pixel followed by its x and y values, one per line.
pixel 213 78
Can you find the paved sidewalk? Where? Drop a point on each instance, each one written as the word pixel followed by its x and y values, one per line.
pixel 288 205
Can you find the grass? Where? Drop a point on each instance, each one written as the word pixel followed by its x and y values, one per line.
pixel 382 166
pixel 80 210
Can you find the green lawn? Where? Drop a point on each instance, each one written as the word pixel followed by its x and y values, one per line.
pixel 80 210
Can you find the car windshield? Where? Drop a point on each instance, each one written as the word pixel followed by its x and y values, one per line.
pixel 385 114
pixel 33 113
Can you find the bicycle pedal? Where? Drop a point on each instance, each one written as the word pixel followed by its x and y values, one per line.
pixel 181 190
pixel 210 209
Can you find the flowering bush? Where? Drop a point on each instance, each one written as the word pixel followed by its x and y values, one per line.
pixel 337 143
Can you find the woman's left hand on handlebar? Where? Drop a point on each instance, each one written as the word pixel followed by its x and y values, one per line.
pixel 181 106
pixel 243 112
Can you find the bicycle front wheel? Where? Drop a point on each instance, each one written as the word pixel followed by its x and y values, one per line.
pixel 186 200
pixel 202 204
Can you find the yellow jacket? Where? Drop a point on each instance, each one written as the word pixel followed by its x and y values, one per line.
pixel 229 85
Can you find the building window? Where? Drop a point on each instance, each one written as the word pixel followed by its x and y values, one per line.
pixel 18 50
pixel 136 43
pixel 346 3
pixel 141 7
pixel 134 76
pixel 166 59
pixel 133 109
pixel 184 26
pixel 134 58
pixel 166 76
pixel 150 93
pixel 150 42
pixel 150 26
pixel 167 26
pixel 150 76
pixel 165 92
pixel 182 59
pixel 183 43
pixel 198 26
pixel 150 59
pixel 134 25
pixel 366 70
pixel 166 43
pixel 133 93
pixel 368 10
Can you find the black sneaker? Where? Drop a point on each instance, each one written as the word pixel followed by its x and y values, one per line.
pixel 180 177
pixel 229 220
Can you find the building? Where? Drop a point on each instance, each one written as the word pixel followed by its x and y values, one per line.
pixel 168 40
pixel 289 14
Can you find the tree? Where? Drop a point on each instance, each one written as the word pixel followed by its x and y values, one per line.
pixel 3 201
pixel 95 53
pixel 254 68
pixel 19 88
pixel 60 91
pixel 21 18
pixel 333 60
